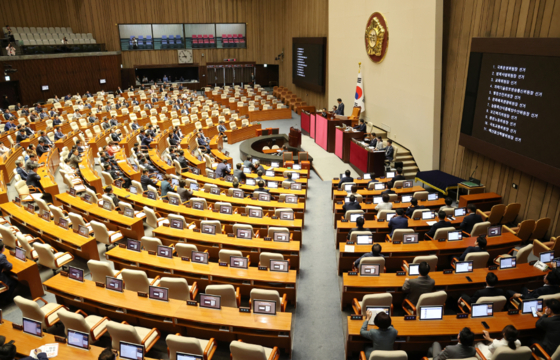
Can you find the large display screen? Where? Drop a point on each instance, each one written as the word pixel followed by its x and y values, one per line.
pixel 308 63
pixel 512 104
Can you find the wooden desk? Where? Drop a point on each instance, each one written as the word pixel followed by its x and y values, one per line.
pixel 26 272
pixel 129 227
pixel 214 243
pixel 125 167
pixel 89 173
pixel 47 171
pixel 244 133
pixel 483 201
pixel 59 238
pixel 470 189
pixel 364 160
pixel 370 207
pixel 206 274
pixel 303 173
pixel 339 195
pixel 421 334
pixel 160 164
pixel 452 284
pixel 8 164
pixel 272 114
pixel 396 253
pixel 3 189
pixel 174 316
pixel 343 141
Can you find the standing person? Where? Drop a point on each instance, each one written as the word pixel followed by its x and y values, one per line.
pixel 340 109
pixel 10 50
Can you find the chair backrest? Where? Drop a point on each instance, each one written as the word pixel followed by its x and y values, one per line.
pixel 122 332
pixel 243 226
pixel 541 228
pixel 150 243
pixel 30 309
pixel 46 257
pixel 350 212
pixel 265 257
pixel 442 233
pixel 433 298
pixel 244 351
pixel 135 280
pixel 8 237
pixel 185 249
pixel 374 260
pixel 417 214
pixel 512 210
pixel 225 254
pixel 479 259
pixel 99 270
pixel 449 211
pixel 178 288
pixel 421 195
pixel 498 301
pixel 522 256
pixel 24 244
pixel 525 230
pixel 505 353
pixel 226 292
pixel 180 218
pixel 432 260
pixel 480 228
pixel 275 229
pixel 398 234
pixel 183 344
pixel 382 214
pixel 263 294
pixel 73 321
pixel 383 299
pixel 57 213
pixel 100 232
pixel 389 355
pixel 496 214
pixel 76 220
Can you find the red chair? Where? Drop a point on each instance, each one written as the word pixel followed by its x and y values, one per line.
pixel 211 40
pixel 205 38
pixel 195 40
pixel 235 39
pixel 225 40
pixel 241 39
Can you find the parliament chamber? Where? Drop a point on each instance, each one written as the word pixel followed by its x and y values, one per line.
pixel 173 175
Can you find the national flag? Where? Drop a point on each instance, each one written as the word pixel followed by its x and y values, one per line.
pixel 359 97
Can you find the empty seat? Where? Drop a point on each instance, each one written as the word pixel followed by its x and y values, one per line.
pixel 244 351
pixel 190 345
pixel 30 309
pixel 132 334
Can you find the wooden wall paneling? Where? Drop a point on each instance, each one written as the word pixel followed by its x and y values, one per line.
pixel 33 13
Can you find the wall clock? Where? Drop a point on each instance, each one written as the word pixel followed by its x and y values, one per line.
pixel 185 56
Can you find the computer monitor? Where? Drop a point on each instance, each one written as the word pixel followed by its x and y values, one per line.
pixel 296 167
pixel 193 186
pixel 250 182
pixel 239 262
pixel 482 310
pixel 159 293
pixel 215 190
pixel 114 284
pixel 295 176
pixel 225 209
pixel 20 254
pixel 364 239
pixel 413 269
pixel 78 339
pixel 63 223
pixel 83 230
pixel 246 170
pixel 507 263
pixel 174 201
pixel 159 176
pixel 454 235
pixel 87 198
pixel 134 245
pixel 367 176
pixel 354 217
pixel 286 215
pixel 243 233
pixel 379 186
pixel 151 195
pixel 199 257
pixel 185 356
pixel 428 215
pixel 494 231
pixel 410 238
pixel 274 164
pixel 208 229
pixel 210 174
pixel 236 193
pixel 459 212
pixel 279 265
pixel 174 182
pixel 377 199
pixel 210 301
pixel 546 256
pixel 107 205
pixel 75 273
pixel 348 187
pixel 45 215
pixel 433 196
pixel 131 351
pixel 198 205
pixel 530 303
pixel 196 171
pixel 133 190
pixel 255 213
pixel 431 312
pixel 164 251
pixel 408 184
pixel 463 267
pixel 369 270
pixel 176 224
pixel 272 184
pixel 32 327
pixel 291 199
pixel 390 216
pixel 264 196
pixel 264 307
pixel 390 174
pixel 281 237
pixel 406 198
pixel 269 173
pixel 228 178
pixel 295 186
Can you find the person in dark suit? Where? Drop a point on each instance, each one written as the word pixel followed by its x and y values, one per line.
pixel 21 171
pixel 115 136
pixel 361 127
pixel 375 252
pixel 551 282
pixel 21 135
pixel 11 283
pixel 92 118
pixel 105 125
pixel 389 190
pixel 389 151
pixel 109 192
pixel 413 206
pixel 9 125
pixel 202 143
pixel 372 178
pixel 463 349
pixel 383 338
pixel 56 121
pixel 58 134
pixel 113 121
pixel 359 226
pixel 75 159
pixel 489 290
pixel 421 285
pixel 440 224
pixel 258 167
pixel 398 221
pixel 471 219
pixel 345 178
pixel 183 191
pixel 222 169
pixel 479 246
pixel 238 173
pixel 549 324
pixel 45 138
pixel 261 187
pixel 33 179
pixel 135 125
pixel 145 180
pixel 340 109
pixel 399 175
pixel 351 205
pixel 371 139
pixel 146 141
pixel 172 140
pixel 42 148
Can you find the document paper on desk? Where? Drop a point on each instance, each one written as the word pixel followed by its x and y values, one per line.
pixel 50 349
pixel 431 222
pixel 349 248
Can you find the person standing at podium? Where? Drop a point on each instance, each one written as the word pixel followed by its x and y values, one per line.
pixel 340 109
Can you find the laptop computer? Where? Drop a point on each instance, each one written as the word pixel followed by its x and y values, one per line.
pixel 281 237
pixel 243 233
pixel 377 199
pixel 390 174
pixel 463 267
pixel 546 256
pixel 134 245
pixel 291 199
pixel 75 273
pixel 264 197
pixel 369 270
pixel 431 312
pixel 406 198
pixel 354 217
pixel 131 351
pixel 428 215
pixel 255 213
pixel 379 186
pixel 530 303
pixel 32 327
pixel 208 229
pixel 390 216
pixel 459 212
pixel 408 184
pixel 286 215
pixel 482 310
pixel 164 251
pixel 264 307
pixel 185 356
pixel 20 254
pixel 433 196
pixel 250 182
pixel 272 184
pixel 211 301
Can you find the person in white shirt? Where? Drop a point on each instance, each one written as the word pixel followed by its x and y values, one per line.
pixel 3 148
pixel 385 205
pixel 509 339
pixel 11 50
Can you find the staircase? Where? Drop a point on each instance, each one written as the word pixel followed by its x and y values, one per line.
pixel 403 154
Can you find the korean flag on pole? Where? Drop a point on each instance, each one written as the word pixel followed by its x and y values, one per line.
pixel 359 98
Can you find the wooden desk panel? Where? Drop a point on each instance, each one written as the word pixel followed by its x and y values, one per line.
pixel 370 207
pixel 8 164
pixel 59 238
pixel 214 243
pixel 46 172
pixel 89 174
pixel 483 201
pixel 243 133
pixel 3 189
pixel 159 163
pixel 26 272
pixel 206 274
pixel 175 315
pixel 272 114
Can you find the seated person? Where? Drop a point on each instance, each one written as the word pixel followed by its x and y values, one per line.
pixel 448 204
pixel 289 178
pixel 385 205
pixel 238 173
pixel 183 191
pixel 509 339
pixel 5 268
pixel 489 290
pixel 463 349
pixel 351 205
pixel 398 222
pixel 222 169
pixel 359 226
pixel 248 163
pixel 345 178
pixel 479 246
pixel 109 192
pixel 375 252
pixel 372 178
pixel 389 188
pixel 440 224
pixel 549 324
pixel 471 219
pixel 551 281
pixel 399 175
pixel 145 180
pixel 361 127
pixel 383 337
pixel 259 176
pixel 423 284
pixel 413 206
pixel 166 186
pixel 261 187
pixel 8 351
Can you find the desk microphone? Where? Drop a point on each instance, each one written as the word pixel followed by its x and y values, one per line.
pixel 474 171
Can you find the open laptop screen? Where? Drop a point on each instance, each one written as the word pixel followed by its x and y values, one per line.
pixel 255 213
pixel 131 351
pixel 75 274
pixel 20 254
pixel 369 270
pixel 354 217
pixel 279 265
pixel 433 196
pixel 379 186
pixel 546 256
pixel 164 251
pixel 390 174
pixel 454 235
pixel 482 310
pixel 463 267
pixel 427 215
pixel 133 245
pixel 244 233
pixel 265 307
pixel 185 356
pixel 208 229
pixel 78 339
pixel 281 237
pixel 390 216
pixel 507 263
pixel 406 198
pixel 431 312
pixel 377 199
pixel 200 257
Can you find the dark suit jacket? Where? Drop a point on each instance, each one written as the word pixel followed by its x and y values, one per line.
pixel 398 177
pixel 360 127
pixel 351 206
pixel 389 152
pixel 456 352
pixel 42 149
pixel 439 224
pixel 345 179
pixel 468 250
pixel 488 291
pixel 388 191
pixel 57 136
pixel 543 290
pixel 145 181
pixel 551 328
pixel 33 179
pixel 221 170
pixel 75 161
pixel 21 171
pixel 262 189
pixel 239 174
pixel 398 222
pixel 411 209
pixel 469 221
pixel 340 109
pixel 416 287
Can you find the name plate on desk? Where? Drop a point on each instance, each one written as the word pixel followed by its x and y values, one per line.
pixel 99 284
pixel 442 240
pixel 267 238
pixel 185 258
pixel 339 202
pixel 64 273
pixel 223 263
pixel 462 316
pixel 513 312
pixel 263 268
pixel 344 220
pixel 192 303
pixel 410 317
pixel 396 242
pixel 448 271
pixel 401 273
pixel 60 339
pixel 349 243
pixel 196 230
pixel 122 246
pixel 493 267
pixel 151 252
pixel 380 220
pixel 352 273
pixel 244 310
pixel 274 217
pixel 356 317
pixel 17 326
pixel 142 294
pixel 230 235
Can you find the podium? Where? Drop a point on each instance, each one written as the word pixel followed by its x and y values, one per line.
pixel 295 137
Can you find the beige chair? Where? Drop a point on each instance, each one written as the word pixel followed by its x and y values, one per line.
pixel 93 325
pixel 269 295
pixel 230 296
pixel 539 247
pixel 224 255
pixel 244 227
pixel 47 314
pixel 495 215
pixel 138 186
pixel 505 353
pixel 73 184
pixel 137 280
pixel 521 255
pixel 190 345
pixel 132 334
pixel 150 243
pixel 420 195
pixel 398 234
pixel 107 178
pixel 499 302
pixel 428 299
pixel 10 239
pixel 373 260
pixel 27 193
pixel 523 230
pixel 479 229
pixel 265 257
pixel 58 213
pixel 278 212
pixel 541 228
pixel 348 214
pixel 512 210
pixel 379 300
pixel 479 259
pixel 417 214
pixel 52 261
pixel 201 203
pixel 382 214
pixel 244 351
pixel 390 354
pixel 104 235
pixel 355 234
pixel 78 220
pixel 449 211
pixel 99 271
pixel 154 219
pixel 275 229
pixel 443 233
pixel 185 250
pixel 179 289
pixel 432 260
